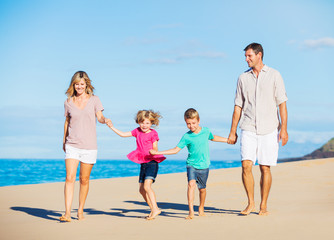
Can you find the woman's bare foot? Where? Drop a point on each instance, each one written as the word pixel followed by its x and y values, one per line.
pixel 80 216
pixel 248 210
pixel 201 212
pixel 153 214
pixel 65 218
pixel 263 212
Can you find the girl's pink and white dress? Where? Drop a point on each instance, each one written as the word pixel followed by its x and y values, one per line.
pixel 144 145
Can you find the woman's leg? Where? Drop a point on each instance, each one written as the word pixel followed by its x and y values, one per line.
pixel 71 171
pixel 85 170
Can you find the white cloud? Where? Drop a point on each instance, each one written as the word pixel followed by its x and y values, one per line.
pixel 310 136
pixel 319 43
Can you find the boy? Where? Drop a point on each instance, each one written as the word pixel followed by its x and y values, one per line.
pixel 198 160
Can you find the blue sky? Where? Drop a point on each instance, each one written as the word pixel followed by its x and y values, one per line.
pixel 161 55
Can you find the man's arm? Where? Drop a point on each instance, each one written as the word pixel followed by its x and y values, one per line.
pixel 232 138
pixel 283 112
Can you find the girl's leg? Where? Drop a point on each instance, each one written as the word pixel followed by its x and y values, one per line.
pixel 191 196
pixel 202 196
pixel 144 194
pixel 71 171
pixel 155 211
pixel 85 170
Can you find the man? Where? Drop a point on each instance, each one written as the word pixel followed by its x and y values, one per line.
pixel 259 91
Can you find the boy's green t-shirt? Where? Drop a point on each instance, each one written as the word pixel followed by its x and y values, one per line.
pixel 198 147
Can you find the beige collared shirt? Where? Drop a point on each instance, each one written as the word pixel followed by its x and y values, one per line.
pixel 259 99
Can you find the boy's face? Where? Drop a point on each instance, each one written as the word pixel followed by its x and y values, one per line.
pixel 193 124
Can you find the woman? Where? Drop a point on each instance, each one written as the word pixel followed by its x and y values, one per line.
pixel 82 108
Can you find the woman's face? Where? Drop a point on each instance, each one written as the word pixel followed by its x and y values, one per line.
pixel 80 87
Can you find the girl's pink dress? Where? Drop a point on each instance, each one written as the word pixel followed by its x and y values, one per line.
pixel 144 145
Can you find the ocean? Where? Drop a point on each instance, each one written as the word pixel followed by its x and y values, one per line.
pixel 35 171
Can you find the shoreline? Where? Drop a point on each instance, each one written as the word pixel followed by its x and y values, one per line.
pixel 301 206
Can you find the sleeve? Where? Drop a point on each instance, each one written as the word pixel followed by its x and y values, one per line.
pixel 134 132
pixel 280 93
pixel 98 105
pixel 66 114
pixel 239 98
pixel 155 136
pixel 182 142
pixel 210 135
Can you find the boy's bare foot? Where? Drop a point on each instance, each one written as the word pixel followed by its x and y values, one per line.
pixel 248 210
pixel 153 214
pixel 263 212
pixel 201 212
pixel 65 219
pixel 190 216
pixel 80 216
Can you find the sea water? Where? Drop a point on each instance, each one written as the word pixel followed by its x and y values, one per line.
pixel 35 171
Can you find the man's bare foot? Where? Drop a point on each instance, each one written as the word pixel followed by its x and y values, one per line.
pixel 80 216
pixel 248 210
pixel 153 214
pixel 189 217
pixel 201 212
pixel 65 218
pixel 263 212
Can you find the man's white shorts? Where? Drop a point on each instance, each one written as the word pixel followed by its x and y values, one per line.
pixel 83 155
pixel 264 148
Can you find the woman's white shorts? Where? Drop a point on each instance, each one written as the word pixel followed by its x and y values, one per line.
pixel 83 155
pixel 264 148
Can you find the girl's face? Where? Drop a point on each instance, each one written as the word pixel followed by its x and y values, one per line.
pixel 145 125
pixel 80 87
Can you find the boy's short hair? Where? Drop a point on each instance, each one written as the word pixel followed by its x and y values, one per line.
pixel 191 113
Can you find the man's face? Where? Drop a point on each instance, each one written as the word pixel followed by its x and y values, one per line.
pixel 252 59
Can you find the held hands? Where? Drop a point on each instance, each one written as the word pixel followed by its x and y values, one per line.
pixel 153 152
pixel 108 122
pixel 232 138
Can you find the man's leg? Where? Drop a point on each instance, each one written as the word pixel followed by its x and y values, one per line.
pixel 265 184
pixel 248 181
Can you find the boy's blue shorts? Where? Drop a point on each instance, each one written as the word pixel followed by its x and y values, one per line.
pixel 200 175
pixel 148 171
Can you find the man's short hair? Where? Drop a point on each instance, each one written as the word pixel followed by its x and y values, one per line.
pixel 191 114
pixel 256 47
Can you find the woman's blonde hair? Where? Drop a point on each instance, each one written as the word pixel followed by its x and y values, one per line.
pixel 148 114
pixel 77 77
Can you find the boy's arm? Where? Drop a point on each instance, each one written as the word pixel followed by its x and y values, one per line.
pixel 118 132
pixel 219 139
pixel 167 152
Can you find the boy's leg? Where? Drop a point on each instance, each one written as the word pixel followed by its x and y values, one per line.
pixel 191 196
pixel 202 196
pixel 155 211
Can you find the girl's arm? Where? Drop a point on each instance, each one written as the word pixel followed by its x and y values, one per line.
pixel 118 132
pixel 167 152
pixel 219 139
pixel 67 120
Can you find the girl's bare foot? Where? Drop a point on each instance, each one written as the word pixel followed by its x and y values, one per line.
pixel 248 210
pixel 80 216
pixel 153 214
pixel 65 218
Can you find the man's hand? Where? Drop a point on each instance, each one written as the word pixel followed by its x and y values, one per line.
pixel 283 135
pixel 232 138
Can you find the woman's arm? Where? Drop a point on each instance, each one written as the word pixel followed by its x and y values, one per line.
pixel 100 117
pixel 219 139
pixel 167 152
pixel 67 120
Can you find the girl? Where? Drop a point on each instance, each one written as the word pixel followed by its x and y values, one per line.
pixel 146 139
pixel 82 108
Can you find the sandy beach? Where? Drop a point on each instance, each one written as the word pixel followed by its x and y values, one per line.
pixel 301 205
